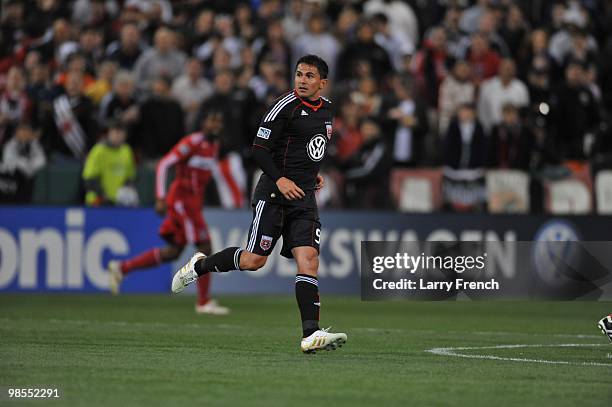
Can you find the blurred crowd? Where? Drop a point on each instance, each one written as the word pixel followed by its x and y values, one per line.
pixel 463 84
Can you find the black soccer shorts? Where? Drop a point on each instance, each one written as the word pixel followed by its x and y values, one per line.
pixel 297 225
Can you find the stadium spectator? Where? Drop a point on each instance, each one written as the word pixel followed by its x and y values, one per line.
pixel 465 144
pixel 488 26
pixel 580 51
pixel 15 105
pixel 127 49
pixel 294 21
pixel 121 105
pixel 539 84
pixel 70 128
pixel 197 37
pixel 401 16
pixel 367 97
pixel 576 114
pixel 24 157
pixel 497 91
pixel 346 24
pixel 591 82
pixel 103 84
pixel 191 89
pixel 161 121
pixel 94 12
pixel 271 79
pixel 363 48
pixel 367 170
pixel 269 10
pixel 43 14
pixel 221 61
pixel 534 54
pixel 347 137
pixel 318 41
pixel 244 22
pixel 39 91
pixel 430 66
pixel 110 169
pixel 12 29
pixel 163 59
pixel 574 19
pixel 454 34
pixel 471 16
pixel 456 90
pixel 394 43
pixel 48 45
pixel 236 105
pixel 274 48
pixel 484 61
pixel 406 119
pixel 515 30
pixel 75 62
pixel 229 41
pixel 91 41
pixel 510 143
pixel 157 14
pixel 557 13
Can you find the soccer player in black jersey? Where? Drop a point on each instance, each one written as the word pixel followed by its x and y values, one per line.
pixel 289 147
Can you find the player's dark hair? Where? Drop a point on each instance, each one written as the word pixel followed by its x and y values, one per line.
pixel 315 61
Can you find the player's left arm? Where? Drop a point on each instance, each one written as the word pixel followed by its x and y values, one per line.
pixel 320 182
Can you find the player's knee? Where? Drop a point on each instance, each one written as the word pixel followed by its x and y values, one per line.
pixel 308 263
pixel 251 261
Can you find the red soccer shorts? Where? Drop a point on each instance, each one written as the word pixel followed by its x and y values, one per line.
pixel 184 224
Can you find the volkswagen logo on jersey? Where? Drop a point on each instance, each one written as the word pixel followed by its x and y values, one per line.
pixel 316 147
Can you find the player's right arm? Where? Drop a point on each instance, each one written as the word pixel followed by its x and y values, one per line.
pixel 270 130
pixel 181 151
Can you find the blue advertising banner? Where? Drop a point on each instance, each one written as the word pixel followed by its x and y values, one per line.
pixel 66 249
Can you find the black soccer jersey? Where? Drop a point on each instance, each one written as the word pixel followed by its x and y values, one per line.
pixel 296 133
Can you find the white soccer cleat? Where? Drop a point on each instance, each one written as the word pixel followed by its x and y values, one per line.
pixel 115 276
pixel 186 274
pixel 605 324
pixel 322 339
pixel 212 307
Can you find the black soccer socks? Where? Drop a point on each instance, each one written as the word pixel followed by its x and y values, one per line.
pixel 225 260
pixel 307 295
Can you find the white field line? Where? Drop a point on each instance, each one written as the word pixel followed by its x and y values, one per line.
pixel 121 323
pixel 454 351
pixel 491 333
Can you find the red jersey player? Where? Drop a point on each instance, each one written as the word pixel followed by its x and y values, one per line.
pixel 195 158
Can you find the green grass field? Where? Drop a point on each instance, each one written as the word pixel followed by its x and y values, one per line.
pixel 154 350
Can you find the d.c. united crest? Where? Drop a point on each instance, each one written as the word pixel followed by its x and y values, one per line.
pixel 266 242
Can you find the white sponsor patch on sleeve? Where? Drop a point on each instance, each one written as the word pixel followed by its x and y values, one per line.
pixel 183 149
pixel 264 133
